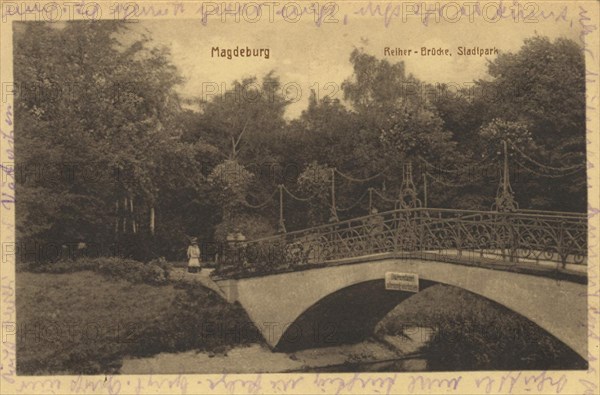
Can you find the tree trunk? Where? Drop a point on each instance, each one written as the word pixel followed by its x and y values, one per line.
pixel 133 225
pixel 117 217
pixel 125 216
pixel 152 221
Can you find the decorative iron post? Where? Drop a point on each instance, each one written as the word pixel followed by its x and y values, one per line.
pixel 425 189
pixel 334 217
pixel 505 200
pixel 281 219
pixel 408 194
pixel 236 242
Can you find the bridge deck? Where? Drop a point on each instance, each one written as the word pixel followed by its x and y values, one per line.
pixel 572 272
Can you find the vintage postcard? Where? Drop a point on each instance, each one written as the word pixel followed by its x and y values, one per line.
pixel 300 197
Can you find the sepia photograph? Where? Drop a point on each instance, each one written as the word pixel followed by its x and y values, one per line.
pixel 299 188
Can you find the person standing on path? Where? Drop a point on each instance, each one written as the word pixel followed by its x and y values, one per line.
pixel 193 255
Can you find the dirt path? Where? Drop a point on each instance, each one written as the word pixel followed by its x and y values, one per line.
pixel 202 278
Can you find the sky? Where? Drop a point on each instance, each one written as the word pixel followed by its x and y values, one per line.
pixel 306 56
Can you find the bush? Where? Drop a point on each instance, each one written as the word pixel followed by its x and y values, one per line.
pixel 133 271
pixel 155 272
pixel 473 333
pixel 23 267
pixel 64 266
pixel 197 320
pixel 162 263
pixel 497 343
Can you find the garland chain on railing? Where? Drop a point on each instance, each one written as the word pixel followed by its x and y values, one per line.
pixel 355 203
pixel 457 185
pixel 299 198
pixel 546 175
pixel 352 179
pixel 261 205
pixel 551 168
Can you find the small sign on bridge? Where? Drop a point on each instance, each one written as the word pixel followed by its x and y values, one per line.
pixel 402 282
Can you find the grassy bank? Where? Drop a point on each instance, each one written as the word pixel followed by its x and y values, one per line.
pixel 473 333
pixel 85 322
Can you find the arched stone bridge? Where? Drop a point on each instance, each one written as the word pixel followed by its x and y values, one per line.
pixel 532 263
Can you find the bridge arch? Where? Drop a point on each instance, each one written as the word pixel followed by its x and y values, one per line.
pixel 275 302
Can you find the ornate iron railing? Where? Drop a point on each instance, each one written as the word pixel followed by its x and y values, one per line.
pixel 516 238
